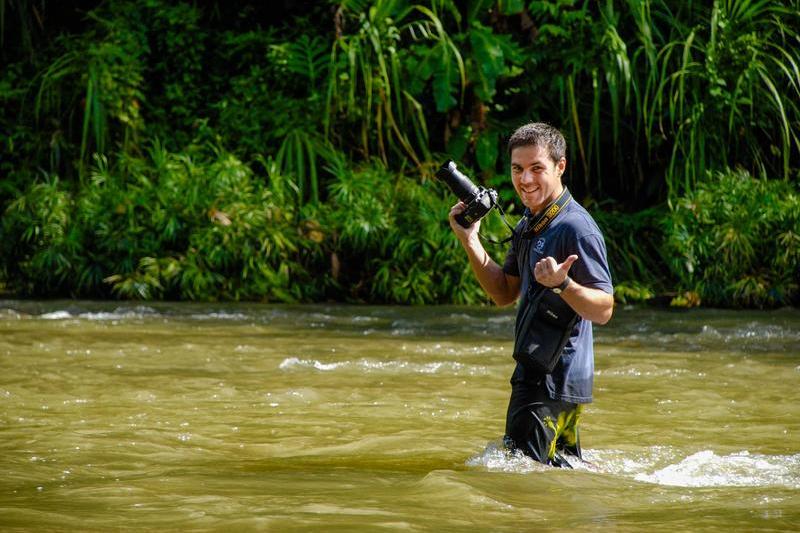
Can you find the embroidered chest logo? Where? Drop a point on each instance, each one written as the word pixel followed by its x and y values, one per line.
pixel 539 246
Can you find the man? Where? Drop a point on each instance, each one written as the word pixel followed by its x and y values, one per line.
pixel 566 256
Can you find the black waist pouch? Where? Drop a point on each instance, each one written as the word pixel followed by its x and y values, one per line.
pixel 542 330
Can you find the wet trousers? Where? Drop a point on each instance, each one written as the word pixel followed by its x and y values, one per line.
pixel 541 428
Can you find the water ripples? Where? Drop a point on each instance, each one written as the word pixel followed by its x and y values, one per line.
pixel 661 466
pixel 372 366
pixel 702 330
pixel 305 412
pixel 631 328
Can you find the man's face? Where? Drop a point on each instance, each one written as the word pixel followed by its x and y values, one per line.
pixel 537 179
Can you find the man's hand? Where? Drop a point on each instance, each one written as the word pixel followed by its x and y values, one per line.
pixel 501 287
pixel 464 234
pixel 592 304
pixel 549 273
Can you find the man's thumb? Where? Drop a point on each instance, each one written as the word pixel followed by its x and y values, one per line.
pixel 568 262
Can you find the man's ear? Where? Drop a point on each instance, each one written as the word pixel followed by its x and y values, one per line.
pixel 561 166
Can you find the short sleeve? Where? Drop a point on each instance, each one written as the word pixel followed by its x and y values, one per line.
pixel 591 268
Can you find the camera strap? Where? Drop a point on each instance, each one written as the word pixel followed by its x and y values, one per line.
pixel 540 223
pixel 505 221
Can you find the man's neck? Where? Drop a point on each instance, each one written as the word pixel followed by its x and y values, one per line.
pixel 540 209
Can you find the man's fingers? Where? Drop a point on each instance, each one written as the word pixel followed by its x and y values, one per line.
pixel 549 262
pixel 458 208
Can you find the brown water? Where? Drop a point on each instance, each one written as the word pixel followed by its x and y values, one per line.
pixel 175 416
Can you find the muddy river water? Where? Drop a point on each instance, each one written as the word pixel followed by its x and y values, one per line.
pixel 340 418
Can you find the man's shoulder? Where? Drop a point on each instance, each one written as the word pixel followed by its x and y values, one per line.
pixel 578 221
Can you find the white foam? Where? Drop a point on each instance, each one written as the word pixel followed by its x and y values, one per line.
pixel 221 315
pixel 496 458
pixel 121 312
pixel 118 313
pixel 364 319
pixel 368 365
pixel 292 362
pixel 741 469
pixel 56 315
pixel 106 316
pixel 702 469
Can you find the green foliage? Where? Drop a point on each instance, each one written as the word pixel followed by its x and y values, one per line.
pixel 176 46
pixel 366 72
pixel 729 91
pixel 492 58
pixel 40 247
pixel 204 151
pixel 632 292
pixel 670 89
pixel 192 226
pixel 309 59
pixel 207 230
pixel 632 244
pixel 248 118
pixel 99 82
pixel 297 157
pixel 199 225
pixel 735 240
pixel 392 241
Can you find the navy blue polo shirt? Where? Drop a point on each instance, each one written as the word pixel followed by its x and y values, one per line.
pixel 573 231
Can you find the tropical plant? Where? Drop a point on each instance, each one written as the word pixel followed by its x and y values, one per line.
pixel 735 240
pixel 40 245
pixel 391 239
pixel 730 89
pixel 633 242
pixel 209 151
pixel 96 80
pixel 679 87
pixel 366 71
pixel 211 231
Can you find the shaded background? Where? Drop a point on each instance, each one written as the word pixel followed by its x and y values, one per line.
pixel 239 151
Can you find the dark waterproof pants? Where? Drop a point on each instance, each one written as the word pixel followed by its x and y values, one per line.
pixel 542 428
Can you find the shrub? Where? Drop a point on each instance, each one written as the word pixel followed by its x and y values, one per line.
pixel 195 225
pixel 633 243
pixel 40 245
pixel 735 241
pixel 199 225
pixel 392 242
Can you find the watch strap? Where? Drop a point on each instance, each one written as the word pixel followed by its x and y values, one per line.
pixel 560 288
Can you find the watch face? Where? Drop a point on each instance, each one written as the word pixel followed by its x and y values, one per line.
pixel 557 290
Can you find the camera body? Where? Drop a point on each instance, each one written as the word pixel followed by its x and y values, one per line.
pixel 479 200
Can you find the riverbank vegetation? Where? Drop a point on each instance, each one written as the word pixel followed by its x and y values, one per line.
pixel 240 151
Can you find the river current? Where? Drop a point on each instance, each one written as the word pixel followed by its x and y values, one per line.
pixel 341 418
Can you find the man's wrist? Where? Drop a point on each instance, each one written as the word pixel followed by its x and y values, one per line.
pixel 558 289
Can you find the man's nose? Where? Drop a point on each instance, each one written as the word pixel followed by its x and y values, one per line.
pixel 527 176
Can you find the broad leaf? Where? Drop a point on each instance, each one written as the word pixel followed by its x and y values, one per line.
pixel 458 142
pixel 486 150
pixel 445 79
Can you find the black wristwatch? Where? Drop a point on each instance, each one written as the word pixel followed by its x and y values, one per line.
pixel 560 288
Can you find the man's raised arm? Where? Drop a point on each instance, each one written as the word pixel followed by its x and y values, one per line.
pixel 502 288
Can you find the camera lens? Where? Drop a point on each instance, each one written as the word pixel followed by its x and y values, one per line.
pixel 458 182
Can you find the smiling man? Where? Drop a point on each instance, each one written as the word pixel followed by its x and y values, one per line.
pixel 557 247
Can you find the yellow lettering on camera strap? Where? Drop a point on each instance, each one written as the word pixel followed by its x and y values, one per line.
pixel 541 222
pixel 537 226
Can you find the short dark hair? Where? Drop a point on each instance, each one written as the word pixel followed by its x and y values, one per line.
pixel 541 135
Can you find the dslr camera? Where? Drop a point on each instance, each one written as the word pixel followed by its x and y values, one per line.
pixel 479 200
